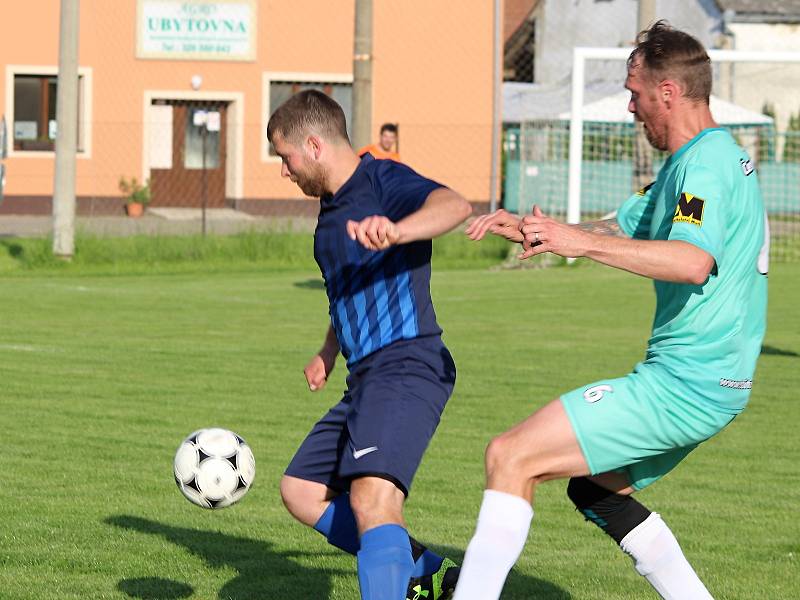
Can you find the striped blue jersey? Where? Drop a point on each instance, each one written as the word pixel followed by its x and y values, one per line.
pixel 375 298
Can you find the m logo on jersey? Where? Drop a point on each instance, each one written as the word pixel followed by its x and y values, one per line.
pixel 689 210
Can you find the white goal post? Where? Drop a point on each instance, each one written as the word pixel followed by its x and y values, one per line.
pixel 581 55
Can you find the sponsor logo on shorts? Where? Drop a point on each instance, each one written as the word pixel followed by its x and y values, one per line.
pixel 747 166
pixel 742 384
pixel 359 453
pixel 596 393
pixel 689 210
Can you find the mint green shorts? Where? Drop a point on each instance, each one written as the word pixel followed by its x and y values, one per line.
pixel 639 426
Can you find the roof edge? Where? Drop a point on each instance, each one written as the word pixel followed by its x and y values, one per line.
pixel 765 18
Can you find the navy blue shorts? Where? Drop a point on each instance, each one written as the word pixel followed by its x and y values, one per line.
pixel 385 420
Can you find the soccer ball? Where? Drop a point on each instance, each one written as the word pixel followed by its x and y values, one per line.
pixel 214 468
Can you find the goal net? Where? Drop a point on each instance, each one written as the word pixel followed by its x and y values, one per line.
pixel 582 162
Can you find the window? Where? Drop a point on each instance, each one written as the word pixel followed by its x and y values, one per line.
pixel 34 118
pixel 280 87
pixel 195 146
pixel 520 54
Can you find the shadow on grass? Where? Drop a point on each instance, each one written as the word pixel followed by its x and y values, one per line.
pixel 155 588
pixel 518 586
pixel 265 573
pixel 524 586
pixel 310 284
pixel 262 571
pixel 777 351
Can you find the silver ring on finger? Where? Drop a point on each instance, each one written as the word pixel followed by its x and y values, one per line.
pixel 536 236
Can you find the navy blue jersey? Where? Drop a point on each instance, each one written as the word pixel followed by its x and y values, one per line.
pixel 375 298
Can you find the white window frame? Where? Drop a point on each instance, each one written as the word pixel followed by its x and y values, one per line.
pixel 266 110
pixel 85 109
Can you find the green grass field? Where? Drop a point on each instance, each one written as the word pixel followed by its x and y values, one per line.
pixel 104 373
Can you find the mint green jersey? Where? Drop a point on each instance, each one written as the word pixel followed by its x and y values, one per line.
pixel 706 338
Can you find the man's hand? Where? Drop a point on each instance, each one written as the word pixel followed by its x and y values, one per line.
pixel 317 371
pixel 374 233
pixel 500 222
pixel 664 260
pixel 543 234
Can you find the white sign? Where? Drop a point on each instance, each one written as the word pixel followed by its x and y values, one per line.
pixel 212 120
pixel 26 130
pixel 52 129
pixel 197 30
pixel 209 118
pixel 199 118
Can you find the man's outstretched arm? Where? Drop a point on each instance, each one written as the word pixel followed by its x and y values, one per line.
pixel 602 227
pixel 442 210
pixel 505 224
pixel 604 242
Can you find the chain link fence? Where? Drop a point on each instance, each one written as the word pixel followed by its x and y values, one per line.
pixel 184 112
pixel 536 162
pixel 174 98
pixel 754 101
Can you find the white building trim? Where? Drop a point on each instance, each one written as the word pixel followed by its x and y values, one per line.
pixel 234 160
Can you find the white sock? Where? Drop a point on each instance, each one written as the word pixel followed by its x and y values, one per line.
pixel 657 556
pixel 503 524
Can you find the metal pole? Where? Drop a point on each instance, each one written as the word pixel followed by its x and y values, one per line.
pixel 204 133
pixel 642 150
pixel 66 132
pixel 496 106
pixel 576 138
pixel 362 74
pixel 646 15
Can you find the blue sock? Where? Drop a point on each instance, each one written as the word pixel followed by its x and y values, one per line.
pixel 427 564
pixel 338 525
pixel 384 563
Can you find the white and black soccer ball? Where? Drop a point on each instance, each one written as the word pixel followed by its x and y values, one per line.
pixel 214 468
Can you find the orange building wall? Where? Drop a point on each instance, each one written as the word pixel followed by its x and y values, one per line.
pixel 431 73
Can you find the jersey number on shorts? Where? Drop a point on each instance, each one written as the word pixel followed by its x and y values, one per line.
pixel 596 393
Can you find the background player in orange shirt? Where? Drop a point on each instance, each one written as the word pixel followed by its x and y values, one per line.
pixel 386 146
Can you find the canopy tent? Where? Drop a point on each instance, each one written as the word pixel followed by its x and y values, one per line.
pixel 543 102
pixel 538 135
pixel 614 109
pixel 606 103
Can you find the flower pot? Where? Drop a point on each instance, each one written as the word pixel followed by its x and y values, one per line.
pixel 135 209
